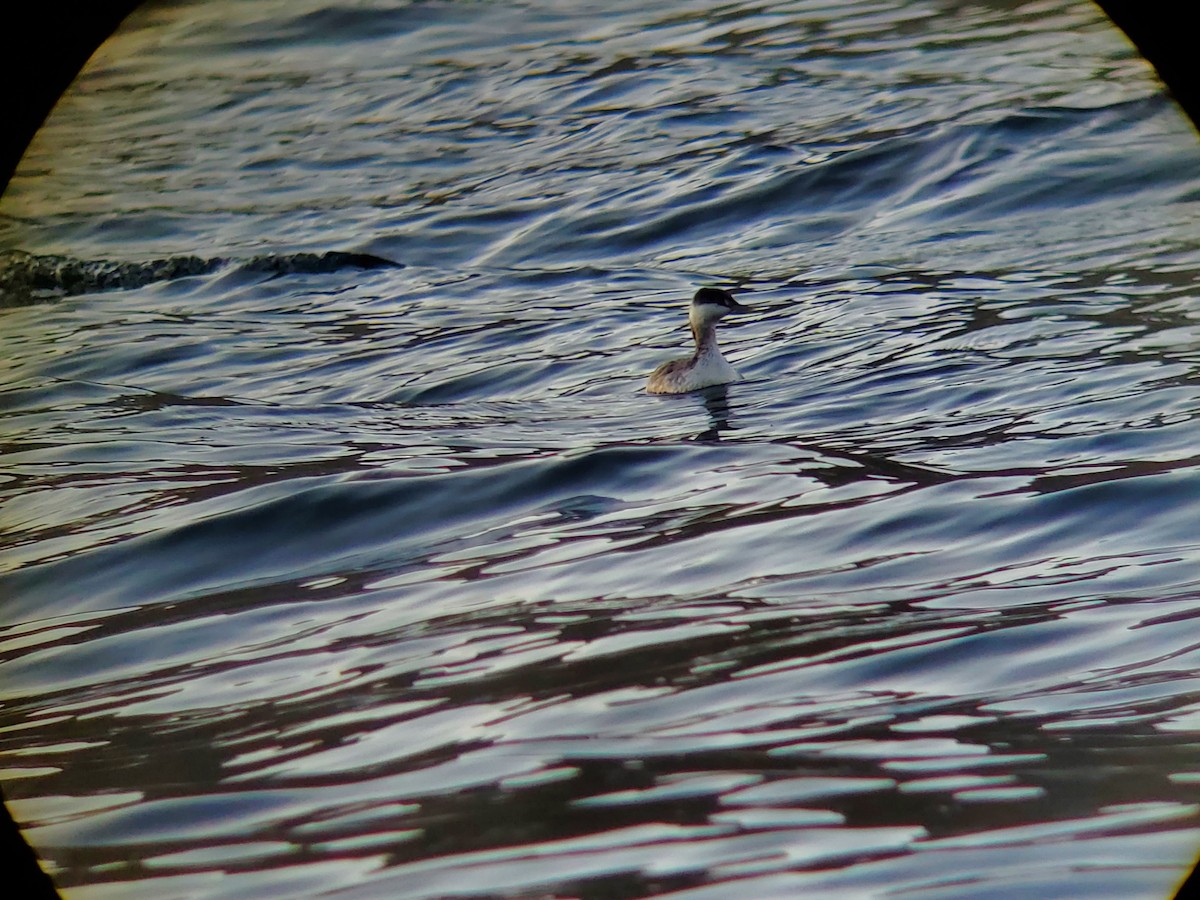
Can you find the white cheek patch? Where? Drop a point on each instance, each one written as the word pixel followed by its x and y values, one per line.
pixel 703 313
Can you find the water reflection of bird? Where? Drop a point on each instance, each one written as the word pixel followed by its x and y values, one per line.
pixel 706 367
pixel 716 402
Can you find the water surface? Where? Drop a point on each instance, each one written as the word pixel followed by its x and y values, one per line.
pixel 345 553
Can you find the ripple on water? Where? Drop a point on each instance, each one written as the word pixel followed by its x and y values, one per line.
pixel 331 575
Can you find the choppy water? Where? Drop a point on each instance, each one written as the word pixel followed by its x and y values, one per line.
pixel 324 574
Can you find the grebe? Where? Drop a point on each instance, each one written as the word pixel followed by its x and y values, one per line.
pixel 706 366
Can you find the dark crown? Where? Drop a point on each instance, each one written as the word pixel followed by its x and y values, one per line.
pixel 714 297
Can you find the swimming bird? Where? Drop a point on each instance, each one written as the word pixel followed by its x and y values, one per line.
pixel 706 367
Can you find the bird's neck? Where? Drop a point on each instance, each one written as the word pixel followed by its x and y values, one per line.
pixel 705 335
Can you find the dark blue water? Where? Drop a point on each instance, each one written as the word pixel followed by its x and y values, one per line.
pixel 345 553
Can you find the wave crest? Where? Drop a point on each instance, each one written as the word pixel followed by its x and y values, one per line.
pixel 27 277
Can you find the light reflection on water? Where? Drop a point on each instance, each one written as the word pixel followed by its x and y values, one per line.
pixel 391 581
